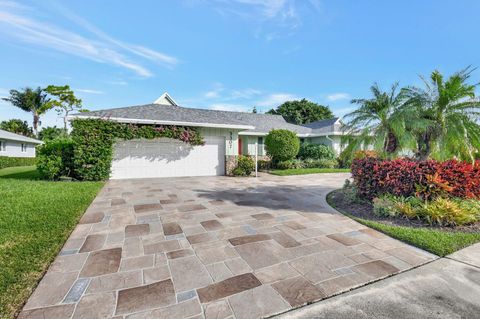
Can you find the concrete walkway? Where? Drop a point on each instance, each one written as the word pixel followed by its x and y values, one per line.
pixel 214 247
pixel 445 288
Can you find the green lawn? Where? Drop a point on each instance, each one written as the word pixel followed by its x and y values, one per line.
pixel 438 242
pixel 36 217
pixel 304 171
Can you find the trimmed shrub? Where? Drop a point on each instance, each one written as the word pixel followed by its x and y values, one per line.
pixel 94 139
pixel 282 145
pixel 55 158
pixel 16 161
pixel 426 179
pixel 315 151
pixel 245 166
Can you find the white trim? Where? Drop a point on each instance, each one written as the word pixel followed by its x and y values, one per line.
pixel 178 123
pixel 298 134
pixel 167 97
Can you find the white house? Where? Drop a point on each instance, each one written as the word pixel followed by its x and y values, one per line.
pixel 16 145
pixel 227 135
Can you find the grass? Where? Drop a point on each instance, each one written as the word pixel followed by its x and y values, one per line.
pixel 21 172
pixel 36 217
pixel 440 243
pixel 305 171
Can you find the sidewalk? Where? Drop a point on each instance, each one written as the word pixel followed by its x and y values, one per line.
pixel 445 288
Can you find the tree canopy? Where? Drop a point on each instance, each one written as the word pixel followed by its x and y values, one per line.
pixel 302 111
pixel 64 101
pixel 17 126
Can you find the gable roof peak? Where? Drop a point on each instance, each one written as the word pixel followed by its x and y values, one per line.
pixel 165 99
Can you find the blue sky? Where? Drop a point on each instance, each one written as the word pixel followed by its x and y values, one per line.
pixel 230 55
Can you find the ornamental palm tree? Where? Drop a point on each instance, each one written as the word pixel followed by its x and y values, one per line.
pixel 30 100
pixel 452 114
pixel 379 122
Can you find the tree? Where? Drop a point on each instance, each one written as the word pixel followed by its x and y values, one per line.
pixel 302 112
pixel 254 110
pixel 17 126
pixel 379 122
pixel 452 113
pixel 31 100
pixel 51 133
pixel 282 145
pixel 64 101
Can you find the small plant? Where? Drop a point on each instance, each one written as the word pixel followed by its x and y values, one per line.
pixel 245 166
pixel 385 206
pixel 291 164
pixel 450 212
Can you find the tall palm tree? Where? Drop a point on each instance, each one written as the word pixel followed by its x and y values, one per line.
pixel 31 100
pixel 452 114
pixel 378 122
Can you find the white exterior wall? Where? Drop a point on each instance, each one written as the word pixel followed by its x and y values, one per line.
pixel 14 149
pixel 231 138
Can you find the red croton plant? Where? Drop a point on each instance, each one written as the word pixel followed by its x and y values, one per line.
pixel 424 179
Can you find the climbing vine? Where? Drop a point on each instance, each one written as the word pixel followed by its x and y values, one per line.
pixel 93 141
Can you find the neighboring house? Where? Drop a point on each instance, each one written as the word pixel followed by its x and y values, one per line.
pixel 16 145
pixel 227 134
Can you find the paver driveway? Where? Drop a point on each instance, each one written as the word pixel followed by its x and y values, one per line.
pixel 214 247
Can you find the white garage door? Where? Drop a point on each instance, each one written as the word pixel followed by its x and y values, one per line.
pixel 168 158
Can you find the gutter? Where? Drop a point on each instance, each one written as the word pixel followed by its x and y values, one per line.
pixel 163 122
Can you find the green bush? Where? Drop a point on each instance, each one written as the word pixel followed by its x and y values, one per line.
pixel 16 161
pixel 290 164
pixel 55 158
pixel 245 166
pixel 315 151
pixel 320 163
pixel 94 139
pixel 264 165
pixel 282 145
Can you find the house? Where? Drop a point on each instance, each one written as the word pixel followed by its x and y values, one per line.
pixel 226 134
pixel 16 145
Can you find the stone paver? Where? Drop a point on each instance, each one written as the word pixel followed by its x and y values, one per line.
pixel 213 247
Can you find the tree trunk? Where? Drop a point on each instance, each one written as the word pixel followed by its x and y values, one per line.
pixel 391 143
pixel 423 147
pixel 36 119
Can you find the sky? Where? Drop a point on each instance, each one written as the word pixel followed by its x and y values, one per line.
pixel 230 54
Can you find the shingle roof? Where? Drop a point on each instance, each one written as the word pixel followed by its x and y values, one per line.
pixel 17 137
pixel 260 123
pixel 325 126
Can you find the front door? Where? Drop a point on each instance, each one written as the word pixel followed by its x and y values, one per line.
pixel 240 146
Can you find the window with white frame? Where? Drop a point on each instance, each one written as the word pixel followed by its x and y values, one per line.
pixel 24 148
pixel 3 146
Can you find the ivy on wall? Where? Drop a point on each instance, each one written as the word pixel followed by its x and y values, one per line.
pixel 94 139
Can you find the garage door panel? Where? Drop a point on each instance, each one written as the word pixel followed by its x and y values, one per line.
pixel 168 158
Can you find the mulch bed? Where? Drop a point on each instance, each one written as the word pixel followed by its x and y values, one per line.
pixel 364 210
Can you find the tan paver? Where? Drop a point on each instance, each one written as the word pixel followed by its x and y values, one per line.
pixel 213 247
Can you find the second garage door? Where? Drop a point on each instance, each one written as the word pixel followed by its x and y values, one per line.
pixel 168 158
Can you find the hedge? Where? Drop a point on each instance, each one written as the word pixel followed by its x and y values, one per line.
pixel 16 161
pixel 93 141
pixel 316 152
pixel 55 158
pixel 425 179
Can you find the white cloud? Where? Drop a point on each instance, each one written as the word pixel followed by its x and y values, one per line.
pixel 90 91
pixel 230 107
pixel 102 49
pixel 118 82
pixel 215 92
pixel 338 97
pixel 244 93
pixel 276 99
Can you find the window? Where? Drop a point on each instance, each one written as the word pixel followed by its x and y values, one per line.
pixel 260 146
pixel 3 146
pixel 24 148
